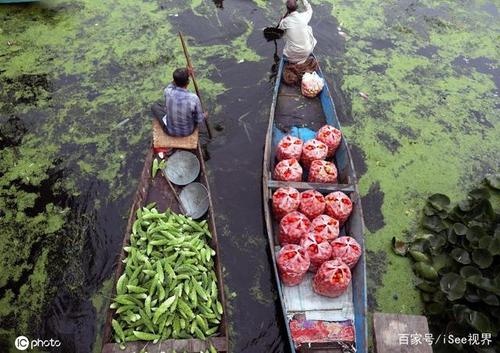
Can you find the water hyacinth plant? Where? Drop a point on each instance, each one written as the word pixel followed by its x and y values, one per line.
pixel 456 260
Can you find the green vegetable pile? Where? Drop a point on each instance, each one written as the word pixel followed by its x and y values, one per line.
pixel 458 263
pixel 168 288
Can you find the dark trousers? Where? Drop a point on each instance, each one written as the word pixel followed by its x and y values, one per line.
pixel 159 111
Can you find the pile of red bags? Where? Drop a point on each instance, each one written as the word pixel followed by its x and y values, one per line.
pixel 293 227
pixel 338 206
pixel 288 170
pixel 285 200
pixel 322 172
pixel 310 238
pixel 331 137
pixel 332 278
pixel 325 227
pixel 313 150
pixel 318 249
pixel 289 147
pixel 293 263
pixel 312 203
pixel 346 249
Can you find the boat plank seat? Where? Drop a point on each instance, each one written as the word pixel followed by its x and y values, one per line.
pixel 162 140
pixel 394 332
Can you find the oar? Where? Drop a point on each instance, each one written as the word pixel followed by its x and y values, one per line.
pixel 188 61
pixel 181 206
pixel 274 33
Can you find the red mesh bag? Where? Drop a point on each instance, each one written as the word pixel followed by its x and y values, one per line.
pixel 293 263
pixel 312 203
pixel 332 278
pixel 289 147
pixel 331 137
pixel 288 170
pixel 285 200
pixel 322 172
pixel 318 249
pixel 326 227
pixel 346 249
pixel 338 206
pixel 313 150
pixel 293 227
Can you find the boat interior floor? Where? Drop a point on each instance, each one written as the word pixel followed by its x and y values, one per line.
pixel 293 109
pixel 157 193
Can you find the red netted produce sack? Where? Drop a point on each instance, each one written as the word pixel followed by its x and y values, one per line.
pixel 289 147
pixel 331 137
pixel 312 203
pixel 338 206
pixel 318 249
pixel 322 172
pixel 288 170
pixel 313 150
pixel 293 227
pixel 325 226
pixel 293 263
pixel 285 200
pixel 332 278
pixel 346 249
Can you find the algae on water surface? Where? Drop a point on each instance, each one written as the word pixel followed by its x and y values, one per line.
pixel 430 123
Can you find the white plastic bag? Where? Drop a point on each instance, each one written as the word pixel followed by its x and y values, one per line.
pixel 312 84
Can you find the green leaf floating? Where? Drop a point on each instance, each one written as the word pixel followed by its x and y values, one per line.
pixel 494 181
pixel 439 201
pixel 458 265
pixel 479 321
pixel 461 256
pixel 426 271
pixel 482 258
pixel 453 285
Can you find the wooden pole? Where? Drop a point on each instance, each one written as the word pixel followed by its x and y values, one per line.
pixel 190 66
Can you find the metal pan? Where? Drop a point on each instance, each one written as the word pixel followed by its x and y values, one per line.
pixel 182 168
pixel 194 198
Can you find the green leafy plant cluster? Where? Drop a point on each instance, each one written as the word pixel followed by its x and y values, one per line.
pixel 457 264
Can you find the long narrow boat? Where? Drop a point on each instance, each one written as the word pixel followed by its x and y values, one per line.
pixel 321 317
pixel 157 190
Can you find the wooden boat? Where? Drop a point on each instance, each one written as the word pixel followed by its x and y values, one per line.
pixel 157 190
pixel 292 113
pixel 15 1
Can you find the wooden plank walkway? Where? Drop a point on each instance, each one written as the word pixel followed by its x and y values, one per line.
pixel 397 333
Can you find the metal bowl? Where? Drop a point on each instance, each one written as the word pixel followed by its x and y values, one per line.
pixel 182 168
pixel 194 198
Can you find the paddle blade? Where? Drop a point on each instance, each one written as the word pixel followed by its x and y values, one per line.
pixel 272 33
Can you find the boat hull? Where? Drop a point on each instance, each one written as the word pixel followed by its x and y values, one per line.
pixel 294 114
pixel 157 190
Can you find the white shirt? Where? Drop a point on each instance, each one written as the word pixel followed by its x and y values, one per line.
pixel 299 38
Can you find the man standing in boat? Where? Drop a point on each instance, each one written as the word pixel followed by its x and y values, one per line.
pixel 182 110
pixel 299 38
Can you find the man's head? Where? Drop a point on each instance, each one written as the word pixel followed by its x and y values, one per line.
pixel 181 77
pixel 291 5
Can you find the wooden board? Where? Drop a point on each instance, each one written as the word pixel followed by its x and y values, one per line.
pixel 394 332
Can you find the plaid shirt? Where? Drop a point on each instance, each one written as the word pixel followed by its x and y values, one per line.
pixel 183 111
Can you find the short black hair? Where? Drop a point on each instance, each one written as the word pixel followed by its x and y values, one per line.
pixel 291 5
pixel 181 77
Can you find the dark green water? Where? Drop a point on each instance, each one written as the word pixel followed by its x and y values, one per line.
pixel 76 81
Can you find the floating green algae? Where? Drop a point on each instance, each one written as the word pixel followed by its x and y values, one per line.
pixel 81 76
pixel 430 123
